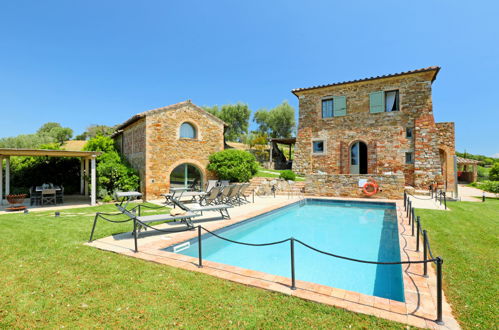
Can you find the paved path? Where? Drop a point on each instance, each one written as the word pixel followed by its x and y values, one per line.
pixel 470 194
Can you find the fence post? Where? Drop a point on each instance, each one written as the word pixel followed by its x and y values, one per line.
pixel 93 227
pixel 445 200
pixel 405 200
pixel 135 234
pixel 411 219
pixel 200 249
pixel 253 195
pixel 408 208
pixel 413 225
pixel 425 253
pixel 439 291
pixel 417 233
pixel 292 246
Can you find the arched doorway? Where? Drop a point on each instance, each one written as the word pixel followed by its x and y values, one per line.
pixel 443 164
pixel 186 176
pixel 358 158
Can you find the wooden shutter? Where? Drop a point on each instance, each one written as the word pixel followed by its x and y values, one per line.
pixel 340 106
pixel 377 102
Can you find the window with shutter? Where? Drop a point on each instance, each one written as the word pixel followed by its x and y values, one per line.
pixel 340 106
pixel 377 102
pixel 327 108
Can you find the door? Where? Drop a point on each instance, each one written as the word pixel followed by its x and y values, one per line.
pixel 358 158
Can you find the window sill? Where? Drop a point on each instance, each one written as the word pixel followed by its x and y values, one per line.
pixel 188 139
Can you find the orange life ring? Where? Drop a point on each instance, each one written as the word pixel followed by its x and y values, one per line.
pixel 370 184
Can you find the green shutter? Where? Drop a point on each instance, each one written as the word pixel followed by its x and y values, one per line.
pixel 377 102
pixel 340 106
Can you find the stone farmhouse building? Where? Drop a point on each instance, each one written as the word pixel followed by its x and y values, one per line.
pixel 376 126
pixel 170 146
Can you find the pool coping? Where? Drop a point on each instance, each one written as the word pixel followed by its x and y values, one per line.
pixel 419 308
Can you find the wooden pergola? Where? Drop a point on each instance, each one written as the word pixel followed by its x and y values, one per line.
pixel 87 166
pixel 467 169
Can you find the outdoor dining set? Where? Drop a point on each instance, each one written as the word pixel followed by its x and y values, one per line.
pixel 46 194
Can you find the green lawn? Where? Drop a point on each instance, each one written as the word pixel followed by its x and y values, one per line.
pixel 263 172
pixel 50 279
pixel 467 237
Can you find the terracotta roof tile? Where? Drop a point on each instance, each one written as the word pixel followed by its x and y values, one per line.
pixel 431 68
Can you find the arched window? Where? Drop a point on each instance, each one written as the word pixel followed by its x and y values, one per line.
pixel 187 131
pixel 186 176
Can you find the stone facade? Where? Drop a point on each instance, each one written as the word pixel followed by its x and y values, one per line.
pixel 384 133
pixel 347 185
pixel 152 144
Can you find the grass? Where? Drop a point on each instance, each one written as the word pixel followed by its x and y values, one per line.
pixel 467 237
pixel 263 172
pixel 50 279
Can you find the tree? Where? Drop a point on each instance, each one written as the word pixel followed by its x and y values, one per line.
pixel 95 130
pixel 113 171
pixel 26 141
pixel 56 131
pixel 236 116
pixel 278 122
pixel 494 172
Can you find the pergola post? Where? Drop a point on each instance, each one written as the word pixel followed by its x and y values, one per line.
pixel 7 176
pixel 86 173
pixel 1 180
pixel 82 175
pixel 93 182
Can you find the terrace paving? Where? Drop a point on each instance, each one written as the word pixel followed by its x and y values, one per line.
pixel 420 292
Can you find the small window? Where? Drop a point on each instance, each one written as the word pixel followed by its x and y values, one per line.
pixel 392 101
pixel 408 158
pixel 408 132
pixel 187 131
pixel 327 108
pixel 318 147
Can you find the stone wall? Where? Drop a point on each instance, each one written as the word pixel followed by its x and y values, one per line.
pixel 384 133
pixel 133 146
pixel 446 135
pixel 165 150
pixel 347 185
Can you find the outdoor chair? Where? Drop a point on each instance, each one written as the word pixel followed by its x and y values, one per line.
pixel 35 197
pixel 233 196
pixel 222 197
pixel 241 196
pixel 199 209
pixel 59 194
pixel 211 196
pixel 210 184
pixel 48 196
pixel 224 183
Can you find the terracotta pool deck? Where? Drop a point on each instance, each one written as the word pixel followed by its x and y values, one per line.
pixel 420 293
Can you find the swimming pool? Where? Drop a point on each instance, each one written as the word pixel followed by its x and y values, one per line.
pixel 362 230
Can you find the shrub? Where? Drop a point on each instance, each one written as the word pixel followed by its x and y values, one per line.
pixel 114 173
pixel 233 165
pixel 288 175
pixel 494 172
pixel 490 186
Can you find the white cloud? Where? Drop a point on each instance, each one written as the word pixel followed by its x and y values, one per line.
pixel 496 155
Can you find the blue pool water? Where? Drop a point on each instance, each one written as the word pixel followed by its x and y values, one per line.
pixel 362 230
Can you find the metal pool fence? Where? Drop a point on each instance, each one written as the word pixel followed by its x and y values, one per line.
pixel 416 231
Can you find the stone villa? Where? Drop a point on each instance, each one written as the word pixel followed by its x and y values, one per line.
pixel 381 126
pixel 170 146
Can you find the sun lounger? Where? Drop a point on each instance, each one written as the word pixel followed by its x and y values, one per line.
pixel 186 217
pixel 199 209
pixel 183 195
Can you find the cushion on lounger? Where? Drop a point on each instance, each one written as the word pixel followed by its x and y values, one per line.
pixel 177 212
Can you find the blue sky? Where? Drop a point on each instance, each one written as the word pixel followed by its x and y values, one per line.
pixel 99 62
